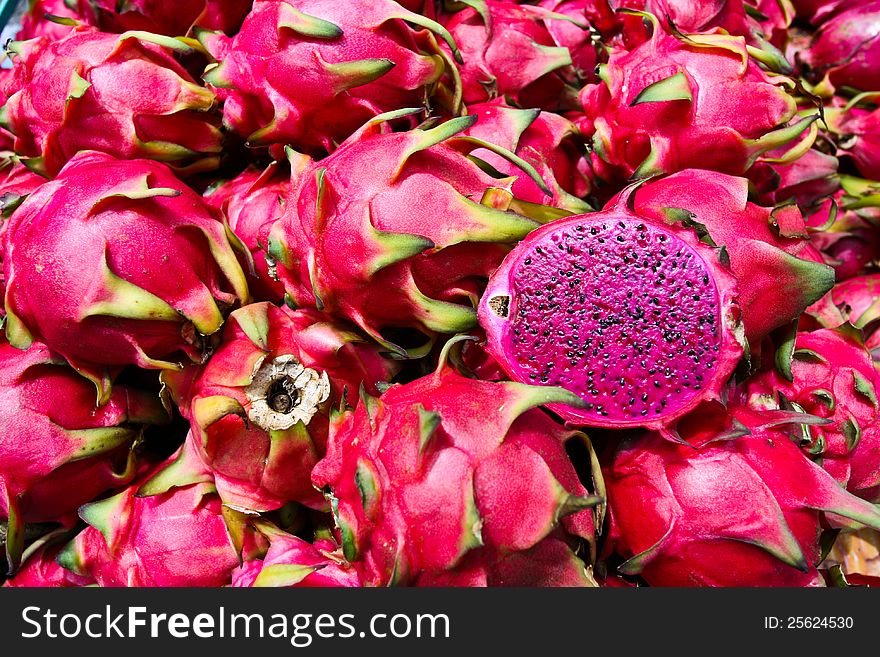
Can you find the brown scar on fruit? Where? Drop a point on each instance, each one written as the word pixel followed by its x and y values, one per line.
pixel 500 305
pixel 284 392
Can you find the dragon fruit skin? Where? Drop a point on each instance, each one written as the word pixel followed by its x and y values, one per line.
pixel 678 101
pixel 639 350
pixel 293 562
pixel 34 23
pixel 178 538
pixel 169 18
pixel 524 64
pixel 162 269
pixel 547 141
pixel 739 506
pixel 573 36
pixel 40 570
pixel 408 246
pixel 806 181
pixel 455 481
pixel 845 48
pixel 854 301
pixel 831 376
pixel 361 59
pixel 858 133
pixel 772 241
pixel 259 409
pixel 819 11
pixel 248 202
pixel 66 96
pixel 57 448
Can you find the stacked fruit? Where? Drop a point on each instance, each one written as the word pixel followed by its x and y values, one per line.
pixel 558 293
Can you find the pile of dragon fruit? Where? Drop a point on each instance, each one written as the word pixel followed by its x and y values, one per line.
pixel 476 293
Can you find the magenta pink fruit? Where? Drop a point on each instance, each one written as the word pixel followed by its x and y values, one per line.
pixel 178 538
pixel 41 570
pixel 700 100
pixel 35 23
pixel 58 449
pixel 830 375
pixel 357 59
pixel 169 18
pixel 636 316
pixel 524 64
pixel 260 408
pixel 806 181
pixel 845 48
pixel 819 11
pixel 779 272
pixel 571 34
pixel 293 562
pixel 454 481
pixel 857 133
pixel 120 94
pixel 360 247
pixel 161 271
pixel 739 506
pixel 547 141
pixel 248 202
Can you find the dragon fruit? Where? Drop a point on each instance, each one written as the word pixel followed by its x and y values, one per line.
pixel 247 202
pixel 580 42
pixel 35 22
pixel 699 100
pixel 819 11
pixel 41 570
pixel 360 58
pixel 57 448
pixel 806 181
pixel 184 537
pixel 293 562
pixel 855 301
pixel 830 375
pixel 408 246
pixel 575 304
pixel 547 141
pixel 120 94
pixel 162 271
pixel 454 481
pixel 259 409
pixel 168 18
pixel 857 132
pixel 778 270
pixel 845 48
pixel 738 506
pixel 848 238
pixel 524 64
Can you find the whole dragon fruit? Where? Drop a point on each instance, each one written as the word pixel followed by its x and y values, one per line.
pixel 259 409
pixel 508 51
pixel 119 94
pixel 407 246
pixel 248 202
pixel 359 59
pixel 454 481
pixel 844 50
pixel 830 374
pixel 117 262
pixel 547 141
pixel 184 537
pixel 293 562
pixel 738 506
pixel 697 100
pixel 58 449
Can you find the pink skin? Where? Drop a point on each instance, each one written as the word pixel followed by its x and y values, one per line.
pixel 545 140
pixel 263 68
pixel 724 510
pixel 445 455
pixel 852 243
pixel 34 23
pixel 640 133
pixel 101 210
pixel 293 562
pixel 820 11
pixel 248 202
pixel 417 273
pixel 808 179
pixel 844 50
pixel 772 241
pixel 177 538
pixel 535 77
pixel 692 17
pixel 840 386
pixel 559 312
pixel 83 449
pixel 579 41
pixel 252 467
pixel 42 571
pixel 160 112
pixel 854 301
pixel 857 133
pixel 171 19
